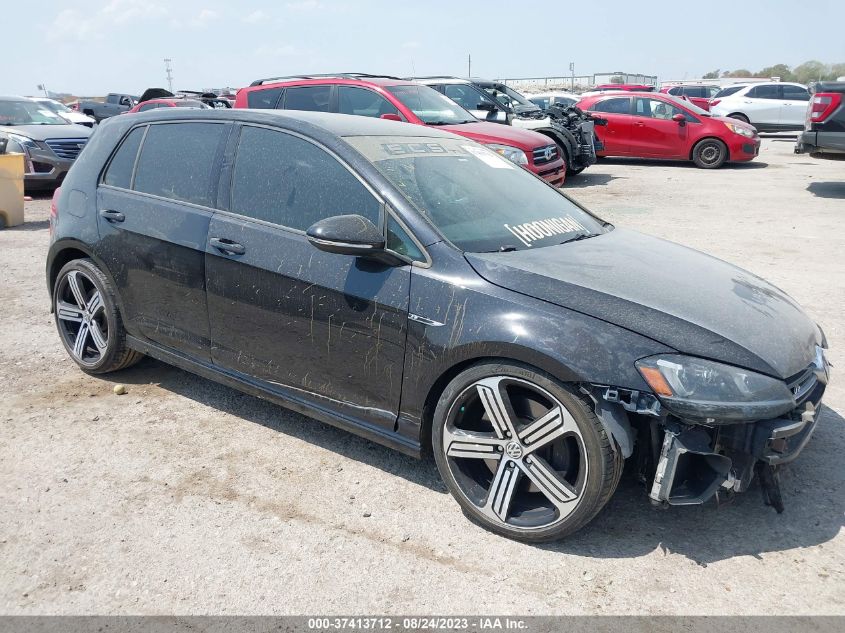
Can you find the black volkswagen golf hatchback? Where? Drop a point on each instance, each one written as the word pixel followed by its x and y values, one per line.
pixel 420 290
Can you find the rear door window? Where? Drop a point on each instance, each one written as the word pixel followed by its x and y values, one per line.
pixel 265 99
pixel 617 105
pixel 177 161
pixel 119 172
pixel 363 102
pixel 281 178
pixel 727 92
pixel 310 98
pixel 766 91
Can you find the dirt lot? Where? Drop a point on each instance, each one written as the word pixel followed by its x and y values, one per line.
pixel 186 497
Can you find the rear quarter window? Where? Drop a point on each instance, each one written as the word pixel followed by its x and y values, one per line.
pixel 177 161
pixel 119 171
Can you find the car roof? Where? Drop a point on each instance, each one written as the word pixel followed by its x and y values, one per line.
pixel 552 93
pixel 439 79
pixel 15 98
pixel 351 78
pixel 336 124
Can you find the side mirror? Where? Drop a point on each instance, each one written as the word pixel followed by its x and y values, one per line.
pixel 390 116
pixel 346 235
pixel 680 119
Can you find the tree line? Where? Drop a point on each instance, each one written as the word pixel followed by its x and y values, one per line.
pixel 805 73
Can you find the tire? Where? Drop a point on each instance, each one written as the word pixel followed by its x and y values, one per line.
pixel 570 171
pixel 523 455
pixel 739 117
pixel 710 153
pixel 88 321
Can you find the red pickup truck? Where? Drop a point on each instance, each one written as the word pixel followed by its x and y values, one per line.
pixel 397 99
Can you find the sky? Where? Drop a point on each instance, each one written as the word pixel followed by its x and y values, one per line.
pixel 86 47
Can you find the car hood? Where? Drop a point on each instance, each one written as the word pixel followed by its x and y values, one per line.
pixel 694 303
pixel 43 132
pixel 495 133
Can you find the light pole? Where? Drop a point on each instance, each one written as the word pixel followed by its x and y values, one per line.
pixel 169 70
pixel 572 73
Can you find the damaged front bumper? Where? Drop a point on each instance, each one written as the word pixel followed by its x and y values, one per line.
pixel 690 461
pixel 696 462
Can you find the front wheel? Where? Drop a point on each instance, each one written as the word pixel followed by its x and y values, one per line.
pixel 522 454
pixel 710 153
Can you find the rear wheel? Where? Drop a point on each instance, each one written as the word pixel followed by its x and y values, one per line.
pixel 522 454
pixel 739 117
pixel 710 153
pixel 89 324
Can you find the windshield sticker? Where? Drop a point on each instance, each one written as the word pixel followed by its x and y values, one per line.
pixel 401 149
pixel 540 229
pixel 489 157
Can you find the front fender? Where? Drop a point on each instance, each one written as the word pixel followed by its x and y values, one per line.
pixel 457 318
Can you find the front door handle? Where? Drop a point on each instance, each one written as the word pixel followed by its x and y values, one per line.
pixel 227 246
pixel 112 216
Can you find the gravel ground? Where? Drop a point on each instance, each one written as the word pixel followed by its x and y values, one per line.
pixel 187 497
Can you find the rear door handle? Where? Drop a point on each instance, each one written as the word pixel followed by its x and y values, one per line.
pixel 227 246
pixel 112 216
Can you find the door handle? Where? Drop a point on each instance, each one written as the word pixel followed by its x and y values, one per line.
pixel 112 216
pixel 638 124
pixel 227 246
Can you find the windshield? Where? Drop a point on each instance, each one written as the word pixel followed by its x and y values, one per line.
pixel 510 97
pixel 478 200
pixel 28 113
pixel 689 105
pixel 55 106
pixel 430 106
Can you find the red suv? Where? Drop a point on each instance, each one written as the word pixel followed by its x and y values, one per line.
pixel 657 125
pixel 401 100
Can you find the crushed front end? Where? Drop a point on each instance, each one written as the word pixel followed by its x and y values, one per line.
pixel 690 449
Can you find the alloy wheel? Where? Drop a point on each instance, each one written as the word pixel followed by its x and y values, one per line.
pixel 515 452
pixel 81 316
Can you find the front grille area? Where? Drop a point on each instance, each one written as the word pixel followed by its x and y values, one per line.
pixel 801 385
pixel 546 154
pixel 67 148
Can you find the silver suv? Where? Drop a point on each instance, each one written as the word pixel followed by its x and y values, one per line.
pixel 770 106
pixel 48 142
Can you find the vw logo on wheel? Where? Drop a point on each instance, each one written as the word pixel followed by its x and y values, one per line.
pixel 513 450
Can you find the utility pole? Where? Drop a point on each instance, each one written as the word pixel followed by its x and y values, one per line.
pixel 169 70
pixel 469 65
pixel 572 73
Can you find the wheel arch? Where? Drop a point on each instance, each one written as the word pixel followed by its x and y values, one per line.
pixel 512 354
pixel 67 250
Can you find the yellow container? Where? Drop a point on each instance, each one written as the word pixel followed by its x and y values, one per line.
pixel 11 189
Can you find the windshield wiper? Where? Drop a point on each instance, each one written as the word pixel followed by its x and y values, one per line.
pixel 579 237
pixel 442 122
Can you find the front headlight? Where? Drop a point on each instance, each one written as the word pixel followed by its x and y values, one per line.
pixel 513 154
pixel 20 144
pixel 713 392
pixel 741 130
